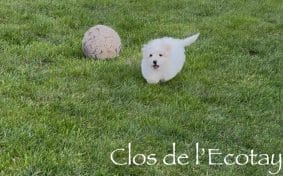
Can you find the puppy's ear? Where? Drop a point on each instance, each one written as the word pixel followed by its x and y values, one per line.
pixel 168 49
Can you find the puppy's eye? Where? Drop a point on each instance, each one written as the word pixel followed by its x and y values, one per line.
pixel 160 55
pixel 150 55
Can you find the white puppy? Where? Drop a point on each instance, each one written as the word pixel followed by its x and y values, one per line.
pixel 164 58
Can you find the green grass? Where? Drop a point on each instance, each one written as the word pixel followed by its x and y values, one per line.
pixel 63 114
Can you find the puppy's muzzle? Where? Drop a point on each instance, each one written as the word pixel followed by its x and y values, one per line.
pixel 155 65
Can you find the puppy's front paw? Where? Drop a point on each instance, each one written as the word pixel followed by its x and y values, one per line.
pixel 152 81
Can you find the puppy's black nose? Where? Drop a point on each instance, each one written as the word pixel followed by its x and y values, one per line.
pixel 154 62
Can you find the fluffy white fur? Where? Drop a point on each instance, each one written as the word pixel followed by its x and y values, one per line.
pixel 164 58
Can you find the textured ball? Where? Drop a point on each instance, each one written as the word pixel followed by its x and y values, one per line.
pixel 101 42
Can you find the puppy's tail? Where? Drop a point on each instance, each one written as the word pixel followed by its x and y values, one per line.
pixel 188 41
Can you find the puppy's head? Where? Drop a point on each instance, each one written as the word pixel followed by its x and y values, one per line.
pixel 156 54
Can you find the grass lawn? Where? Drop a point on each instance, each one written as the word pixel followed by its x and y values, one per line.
pixel 63 114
